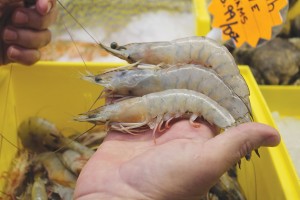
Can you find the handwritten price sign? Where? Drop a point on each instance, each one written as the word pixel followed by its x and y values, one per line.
pixel 246 20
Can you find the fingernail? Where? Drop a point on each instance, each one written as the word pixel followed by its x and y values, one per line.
pixel 49 6
pixel 273 140
pixel 13 53
pixel 20 18
pixel 9 35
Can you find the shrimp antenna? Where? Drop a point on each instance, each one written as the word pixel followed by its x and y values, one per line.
pixel 75 44
pixel 57 150
pixel 84 132
pixel 100 95
pixel 7 140
pixel 77 21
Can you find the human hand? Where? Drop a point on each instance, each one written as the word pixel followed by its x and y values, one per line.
pixel 184 163
pixel 25 30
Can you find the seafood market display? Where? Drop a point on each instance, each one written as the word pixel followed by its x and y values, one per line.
pixel 192 78
pixel 40 172
pixel 277 62
pixel 158 86
pixel 49 164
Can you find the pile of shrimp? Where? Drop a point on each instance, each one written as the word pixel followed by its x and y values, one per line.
pixel 190 77
pixel 48 165
pixel 48 169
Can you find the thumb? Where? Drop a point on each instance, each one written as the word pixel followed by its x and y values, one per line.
pixel 229 147
pixel 44 6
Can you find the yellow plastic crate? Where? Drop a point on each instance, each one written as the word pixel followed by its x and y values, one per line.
pixel 294 11
pixel 202 17
pixel 283 99
pixel 55 91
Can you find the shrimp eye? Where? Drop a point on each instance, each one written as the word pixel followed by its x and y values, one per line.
pixel 114 45
pixel 98 79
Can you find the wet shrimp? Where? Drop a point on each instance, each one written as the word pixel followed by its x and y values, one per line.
pixel 40 135
pixel 56 171
pixel 190 50
pixel 38 190
pixel 73 161
pixel 62 191
pixel 156 108
pixel 17 175
pixel 139 82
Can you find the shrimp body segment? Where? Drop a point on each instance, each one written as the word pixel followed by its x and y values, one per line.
pixel 155 108
pixel 139 82
pixel 190 50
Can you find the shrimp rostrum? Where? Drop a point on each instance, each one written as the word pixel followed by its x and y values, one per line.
pixel 190 50
pixel 154 109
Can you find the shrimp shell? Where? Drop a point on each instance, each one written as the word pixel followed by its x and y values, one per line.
pixel 155 108
pixel 39 188
pixel 73 161
pixel 56 170
pixel 40 135
pixel 190 50
pixel 139 82
pixel 17 174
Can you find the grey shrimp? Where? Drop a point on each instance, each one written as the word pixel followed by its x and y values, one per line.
pixel 156 108
pixel 190 50
pixel 50 138
pixel 139 82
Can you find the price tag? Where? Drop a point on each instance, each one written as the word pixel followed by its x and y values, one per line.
pixel 246 21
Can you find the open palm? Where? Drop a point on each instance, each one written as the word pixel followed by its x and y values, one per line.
pixel 183 163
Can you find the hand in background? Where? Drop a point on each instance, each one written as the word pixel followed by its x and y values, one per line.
pixel 184 163
pixel 25 30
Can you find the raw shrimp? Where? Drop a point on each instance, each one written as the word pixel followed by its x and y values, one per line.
pixel 227 188
pixel 92 140
pixel 27 194
pixel 39 188
pixel 56 170
pixel 39 135
pixel 73 161
pixel 195 50
pixel 62 191
pixel 17 175
pixel 138 82
pixel 155 108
